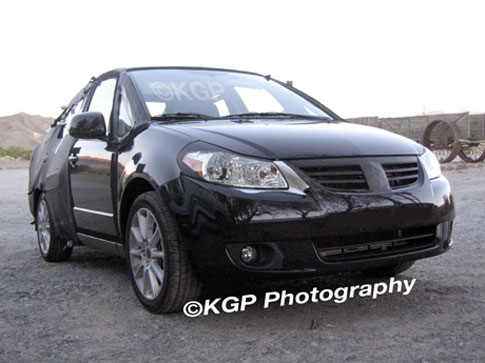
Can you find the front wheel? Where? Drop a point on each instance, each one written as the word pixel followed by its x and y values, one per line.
pixel 390 270
pixel 157 260
pixel 52 247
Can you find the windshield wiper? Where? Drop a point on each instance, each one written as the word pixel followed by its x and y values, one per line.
pixel 200 116
pixel 275 114
pixel 182 116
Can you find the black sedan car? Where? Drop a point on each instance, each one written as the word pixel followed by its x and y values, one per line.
pixel 196 173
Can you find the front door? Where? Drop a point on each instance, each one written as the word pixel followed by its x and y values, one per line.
pixel 91 172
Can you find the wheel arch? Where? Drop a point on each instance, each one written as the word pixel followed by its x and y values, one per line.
pixel 134 188
pixel 36 193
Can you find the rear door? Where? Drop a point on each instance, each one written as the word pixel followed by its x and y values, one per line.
pixel 91 172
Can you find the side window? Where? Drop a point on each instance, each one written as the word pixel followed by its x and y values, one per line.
pixel 125 117
pixel 74 110
pixel 102 100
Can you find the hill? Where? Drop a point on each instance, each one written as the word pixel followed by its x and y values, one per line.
pixel 23 130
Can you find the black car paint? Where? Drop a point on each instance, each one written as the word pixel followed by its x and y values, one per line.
pixel 295 139
pixel 216 221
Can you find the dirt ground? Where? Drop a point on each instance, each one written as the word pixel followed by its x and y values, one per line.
pixel 85 309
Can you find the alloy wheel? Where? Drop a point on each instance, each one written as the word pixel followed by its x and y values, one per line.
pixel 146 253
pixel 43 227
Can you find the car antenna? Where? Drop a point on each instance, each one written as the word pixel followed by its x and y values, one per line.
pixel 268 77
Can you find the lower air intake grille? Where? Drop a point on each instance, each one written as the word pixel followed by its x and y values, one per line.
pixel 375 244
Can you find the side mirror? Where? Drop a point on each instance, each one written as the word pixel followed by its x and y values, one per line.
pixel 88 125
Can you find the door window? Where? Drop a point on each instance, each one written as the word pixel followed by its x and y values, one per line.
pixel 102 100
pixel 125 118
pixel 74 110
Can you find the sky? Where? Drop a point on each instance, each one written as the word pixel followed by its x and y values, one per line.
pixel 359 58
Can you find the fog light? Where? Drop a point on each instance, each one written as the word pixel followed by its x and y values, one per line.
pixel 249 254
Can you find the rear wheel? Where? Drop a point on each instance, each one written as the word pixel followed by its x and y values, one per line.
pixel 157 260
pixel 390 270
pixel 52 247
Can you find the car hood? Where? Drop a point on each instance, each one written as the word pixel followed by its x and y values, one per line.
pixel 289 139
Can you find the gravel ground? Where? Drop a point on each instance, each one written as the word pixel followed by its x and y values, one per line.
pixel 85 309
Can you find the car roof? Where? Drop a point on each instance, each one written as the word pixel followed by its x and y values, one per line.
pixel 125 70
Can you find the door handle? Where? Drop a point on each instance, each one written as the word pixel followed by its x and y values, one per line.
pixel 73 159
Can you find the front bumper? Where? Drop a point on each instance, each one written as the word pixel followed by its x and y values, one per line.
pixel 292 229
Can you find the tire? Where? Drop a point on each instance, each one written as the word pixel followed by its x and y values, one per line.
pixel 52 248
pixel 390 270
pixel 158 264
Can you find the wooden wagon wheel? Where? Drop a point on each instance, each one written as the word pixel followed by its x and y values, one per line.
pixel 443 138
pixel 472 152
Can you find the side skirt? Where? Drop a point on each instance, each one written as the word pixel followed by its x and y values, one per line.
pixel 101 244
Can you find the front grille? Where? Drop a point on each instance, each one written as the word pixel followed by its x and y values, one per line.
pixel 360 175
pixel 338 177
pixel 375 244
pixel 401 174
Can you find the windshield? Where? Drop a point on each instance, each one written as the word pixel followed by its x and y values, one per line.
pixel 217 94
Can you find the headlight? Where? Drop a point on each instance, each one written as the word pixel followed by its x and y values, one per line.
pixel 230 169
pixel 431 164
